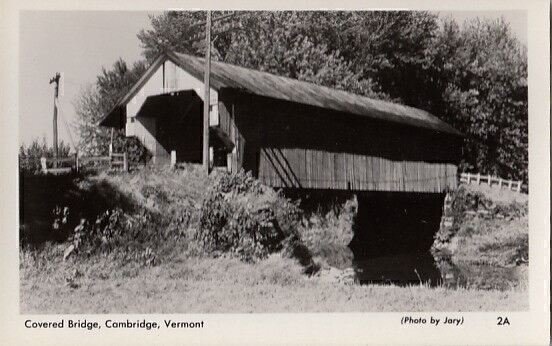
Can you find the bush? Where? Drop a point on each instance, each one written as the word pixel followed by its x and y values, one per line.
pixel 327 235
pixel 136 151
pixel 29 155
pixel 242 217
pixel 278 270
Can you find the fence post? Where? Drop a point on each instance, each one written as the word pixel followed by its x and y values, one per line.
pixel 489 179
pixel 77 162
pixel 125 162
pixel 478 178
pixel 173 158
pixel 519 186
pixel 44 165
pixel 469 177
pixel 499 183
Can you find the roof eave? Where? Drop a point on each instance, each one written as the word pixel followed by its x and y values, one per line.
pixel 108 120
pixel 160 59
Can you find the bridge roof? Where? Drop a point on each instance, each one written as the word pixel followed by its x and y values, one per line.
pixel 228 76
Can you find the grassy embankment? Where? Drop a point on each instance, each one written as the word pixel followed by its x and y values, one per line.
pixel 488 244
pixel 148 257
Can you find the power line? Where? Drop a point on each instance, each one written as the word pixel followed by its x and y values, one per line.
pixel 228 16
pixel 62 116
pixel 233 26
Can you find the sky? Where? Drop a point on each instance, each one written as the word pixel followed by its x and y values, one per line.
pixel 76 44
pixel 79 44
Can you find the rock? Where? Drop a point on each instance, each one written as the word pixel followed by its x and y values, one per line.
pixel 334 275
pixel 76 273
pixel 347 276
pixel 68 251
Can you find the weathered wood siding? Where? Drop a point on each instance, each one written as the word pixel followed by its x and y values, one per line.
pixel 316 169
pixel 287 145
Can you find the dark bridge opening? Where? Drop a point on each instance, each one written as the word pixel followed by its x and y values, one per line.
pixel 393 234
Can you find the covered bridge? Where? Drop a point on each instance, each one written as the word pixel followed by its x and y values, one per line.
pixel 307 139
pixel 288 133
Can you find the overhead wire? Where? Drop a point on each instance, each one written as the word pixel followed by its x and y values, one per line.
pixel 62 116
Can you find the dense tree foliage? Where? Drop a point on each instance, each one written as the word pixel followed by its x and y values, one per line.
pixel 482 71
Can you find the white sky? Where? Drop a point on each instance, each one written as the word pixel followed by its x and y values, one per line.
pixel 78 44
pixel 516 19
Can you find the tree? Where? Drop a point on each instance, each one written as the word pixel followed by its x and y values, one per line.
pixel 272 42
pixel 115 83
pixel 276 42
pixel 483 77
pixel 378 54
pixel 387 47
pixel 96 100
pixel 173 30
pixel 90 111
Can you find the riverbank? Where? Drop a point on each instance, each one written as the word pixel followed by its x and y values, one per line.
pixel 487 244
pixel 165 241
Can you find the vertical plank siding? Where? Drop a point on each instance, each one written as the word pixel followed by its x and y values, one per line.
pixel 296 147
pixel 318 171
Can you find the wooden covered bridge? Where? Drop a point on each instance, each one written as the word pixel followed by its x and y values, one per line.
pixel 399 161
pixel 288 133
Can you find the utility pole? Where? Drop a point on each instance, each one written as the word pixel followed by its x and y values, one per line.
pixel 55 80
pixel 207 94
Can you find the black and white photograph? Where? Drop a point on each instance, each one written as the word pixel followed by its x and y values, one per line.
pixel 219 161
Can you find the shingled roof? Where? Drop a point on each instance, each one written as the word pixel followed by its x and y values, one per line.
pixel 266 84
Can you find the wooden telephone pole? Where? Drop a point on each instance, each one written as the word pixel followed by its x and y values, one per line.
pixel 207 94
pixel 55 80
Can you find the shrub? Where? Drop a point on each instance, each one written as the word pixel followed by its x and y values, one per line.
pixel 137 237
pixel 327 235
pixel 242 217
pixel 278 270
pixel 136 151
pixel 29 155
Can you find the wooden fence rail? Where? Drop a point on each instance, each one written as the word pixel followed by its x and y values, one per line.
pixel 490 180
pixel 50 165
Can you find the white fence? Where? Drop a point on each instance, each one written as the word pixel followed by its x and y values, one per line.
pixel 490 180
pixel 75 163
